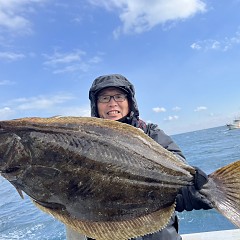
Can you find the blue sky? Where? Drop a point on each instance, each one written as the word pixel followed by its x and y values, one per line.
pixel 183 56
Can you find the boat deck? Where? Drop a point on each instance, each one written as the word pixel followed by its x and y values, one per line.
pixel 215 235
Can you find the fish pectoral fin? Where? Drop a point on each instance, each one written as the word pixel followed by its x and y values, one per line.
pixel 20 192
pixel 117 230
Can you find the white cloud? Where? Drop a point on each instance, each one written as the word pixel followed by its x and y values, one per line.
pixel 59 104
pixel 220 45
pixel 11 56
pixel 76 111
pixel 171 118
pixel 40 102
pixel 64 58
pixel 13 15
pixel 72 68
pixel 159 109
pixel 6 82
pixel 176 109
pixel 196 46
pixel 95 59
pixel 199 109
pixel 10 21
pixel 76 60
pixel 5 113
pixel 141 15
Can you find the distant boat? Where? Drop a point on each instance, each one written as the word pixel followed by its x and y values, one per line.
pixel 235 124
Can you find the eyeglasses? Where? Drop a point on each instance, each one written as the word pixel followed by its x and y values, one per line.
pixel 107 98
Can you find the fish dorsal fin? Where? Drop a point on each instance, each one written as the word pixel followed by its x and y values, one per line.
pixel 117 230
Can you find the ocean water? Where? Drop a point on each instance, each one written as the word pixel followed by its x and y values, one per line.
pixel 208 149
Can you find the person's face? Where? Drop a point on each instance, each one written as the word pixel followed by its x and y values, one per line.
pixel 112 110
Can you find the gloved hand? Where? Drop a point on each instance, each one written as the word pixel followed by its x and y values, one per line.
pixel 190 198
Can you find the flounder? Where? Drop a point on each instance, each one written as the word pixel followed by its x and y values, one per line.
pixel 105 179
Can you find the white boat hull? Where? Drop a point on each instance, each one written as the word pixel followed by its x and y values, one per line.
pixel 234 125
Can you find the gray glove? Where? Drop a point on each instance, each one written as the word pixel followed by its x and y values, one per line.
pixel 190 198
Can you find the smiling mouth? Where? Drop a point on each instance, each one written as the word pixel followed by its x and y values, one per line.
pixel 113 112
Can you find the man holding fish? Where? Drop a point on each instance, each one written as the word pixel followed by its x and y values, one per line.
pixel 113 97
pixel 111 176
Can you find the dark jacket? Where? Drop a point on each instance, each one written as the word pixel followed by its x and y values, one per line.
pixel 117 80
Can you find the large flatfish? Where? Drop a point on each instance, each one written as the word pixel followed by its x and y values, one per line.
pixel 104 179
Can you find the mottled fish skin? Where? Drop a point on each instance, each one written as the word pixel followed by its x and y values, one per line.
pixel 103 178
pixel 89 168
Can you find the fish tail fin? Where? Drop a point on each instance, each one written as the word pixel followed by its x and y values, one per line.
pixel 224 191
